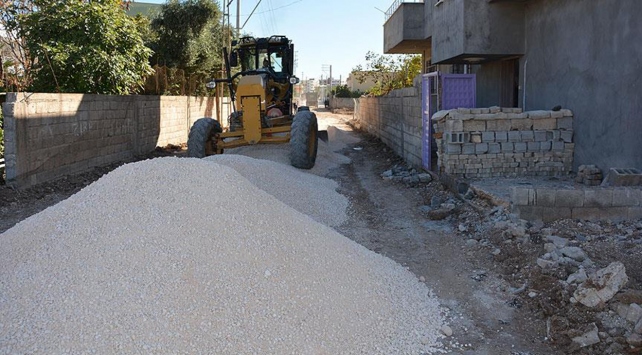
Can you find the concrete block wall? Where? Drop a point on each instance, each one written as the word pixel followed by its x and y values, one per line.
pixel 51 135
pixel 395 119
pixel 603 203
pixel 504 142
pixel 342 102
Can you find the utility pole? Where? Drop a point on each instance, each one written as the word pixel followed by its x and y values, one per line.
pixel 238 18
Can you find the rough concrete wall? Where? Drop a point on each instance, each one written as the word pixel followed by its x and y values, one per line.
pixel 493 28
pixel 586 56
pixel 342 102
pixel 51 135
pixel 448 30
pixel 488 78
pixel 614 204
pixel 396 120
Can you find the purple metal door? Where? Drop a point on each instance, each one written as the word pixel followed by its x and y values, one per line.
pixel 458 91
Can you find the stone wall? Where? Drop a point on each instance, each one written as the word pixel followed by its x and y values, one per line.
pixel 548 204
pixel 504 142
pixel 342 102
pixel 51 135
pixel 396 120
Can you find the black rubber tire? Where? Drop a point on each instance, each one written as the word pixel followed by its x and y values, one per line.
pixel 303 108
pixel 199 140
pixel 304 140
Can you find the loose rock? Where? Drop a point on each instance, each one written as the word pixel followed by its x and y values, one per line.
pixel 589 338
pixel 602 286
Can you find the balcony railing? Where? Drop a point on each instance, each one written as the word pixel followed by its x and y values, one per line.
pixel 395 5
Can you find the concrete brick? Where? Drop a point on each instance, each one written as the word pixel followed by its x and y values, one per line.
pixel 501 136
pixel 545 197
pixel 565 123
pixel 481 148
pixel 461 116
pixel 566 136
pixel 534 146
pixel 520 146
pixel 522 196
pixel 623 196
pixel 468 148
pixel 474 125
pixel 615 214
pixel 498 125
pixel 539 114
pixel 525 124
pixel 557 114
pixel 507 146
pixel 454 125
pixel 527 136
pixel 494 148
pixel 569 198
pixel 557 146
pixel 544 124
pixel 539 136
pixel 514 136
pixel 566 112
pixel 598 197
pixel 488 137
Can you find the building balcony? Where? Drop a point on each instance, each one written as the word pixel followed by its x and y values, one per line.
pixel 472 31
pixel 405 28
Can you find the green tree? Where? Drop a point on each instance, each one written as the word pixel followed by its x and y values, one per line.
pixel 344 91
pixel 189 37
pixel 388 71
pixel 16 62
pixel 84 46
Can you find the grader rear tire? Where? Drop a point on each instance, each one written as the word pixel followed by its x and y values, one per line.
pixel 304 140
pixel 201 136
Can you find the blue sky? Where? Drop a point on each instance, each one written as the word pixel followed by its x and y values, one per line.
pixel 330 32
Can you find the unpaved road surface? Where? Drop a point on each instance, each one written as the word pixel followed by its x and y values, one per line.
pixel 463 254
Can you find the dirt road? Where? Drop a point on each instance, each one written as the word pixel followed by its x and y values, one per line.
pixel 462 254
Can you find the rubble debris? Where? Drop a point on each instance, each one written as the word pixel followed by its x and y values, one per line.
pixel 589 338
pixel 406 175
pixel 589 175
pixel 601 286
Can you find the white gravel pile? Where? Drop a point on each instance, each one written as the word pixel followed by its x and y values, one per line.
pixel 292 187
pixel 155 258
pixel 327 156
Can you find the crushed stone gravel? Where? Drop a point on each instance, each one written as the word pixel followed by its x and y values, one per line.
pixel 155 258
pixel 306 193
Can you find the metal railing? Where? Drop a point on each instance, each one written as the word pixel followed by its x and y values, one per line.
pixel 395 5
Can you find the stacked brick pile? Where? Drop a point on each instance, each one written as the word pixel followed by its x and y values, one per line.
pixel 589 175
pixel 504 142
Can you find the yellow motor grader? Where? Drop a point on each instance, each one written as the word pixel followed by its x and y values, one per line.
pixel 263 111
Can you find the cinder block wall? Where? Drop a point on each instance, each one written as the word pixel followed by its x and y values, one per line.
pixel 396 120
pixel 51 135
pixel 546 204
pixel 342 102
pixel 504 142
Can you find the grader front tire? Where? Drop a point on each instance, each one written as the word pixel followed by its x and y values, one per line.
pixel 304 140
pixel 200 141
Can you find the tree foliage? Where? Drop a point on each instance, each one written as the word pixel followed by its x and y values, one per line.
pixel 189 36
pixel 344 91
pixel 389 72
pixel 14 59
pixel 84 46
